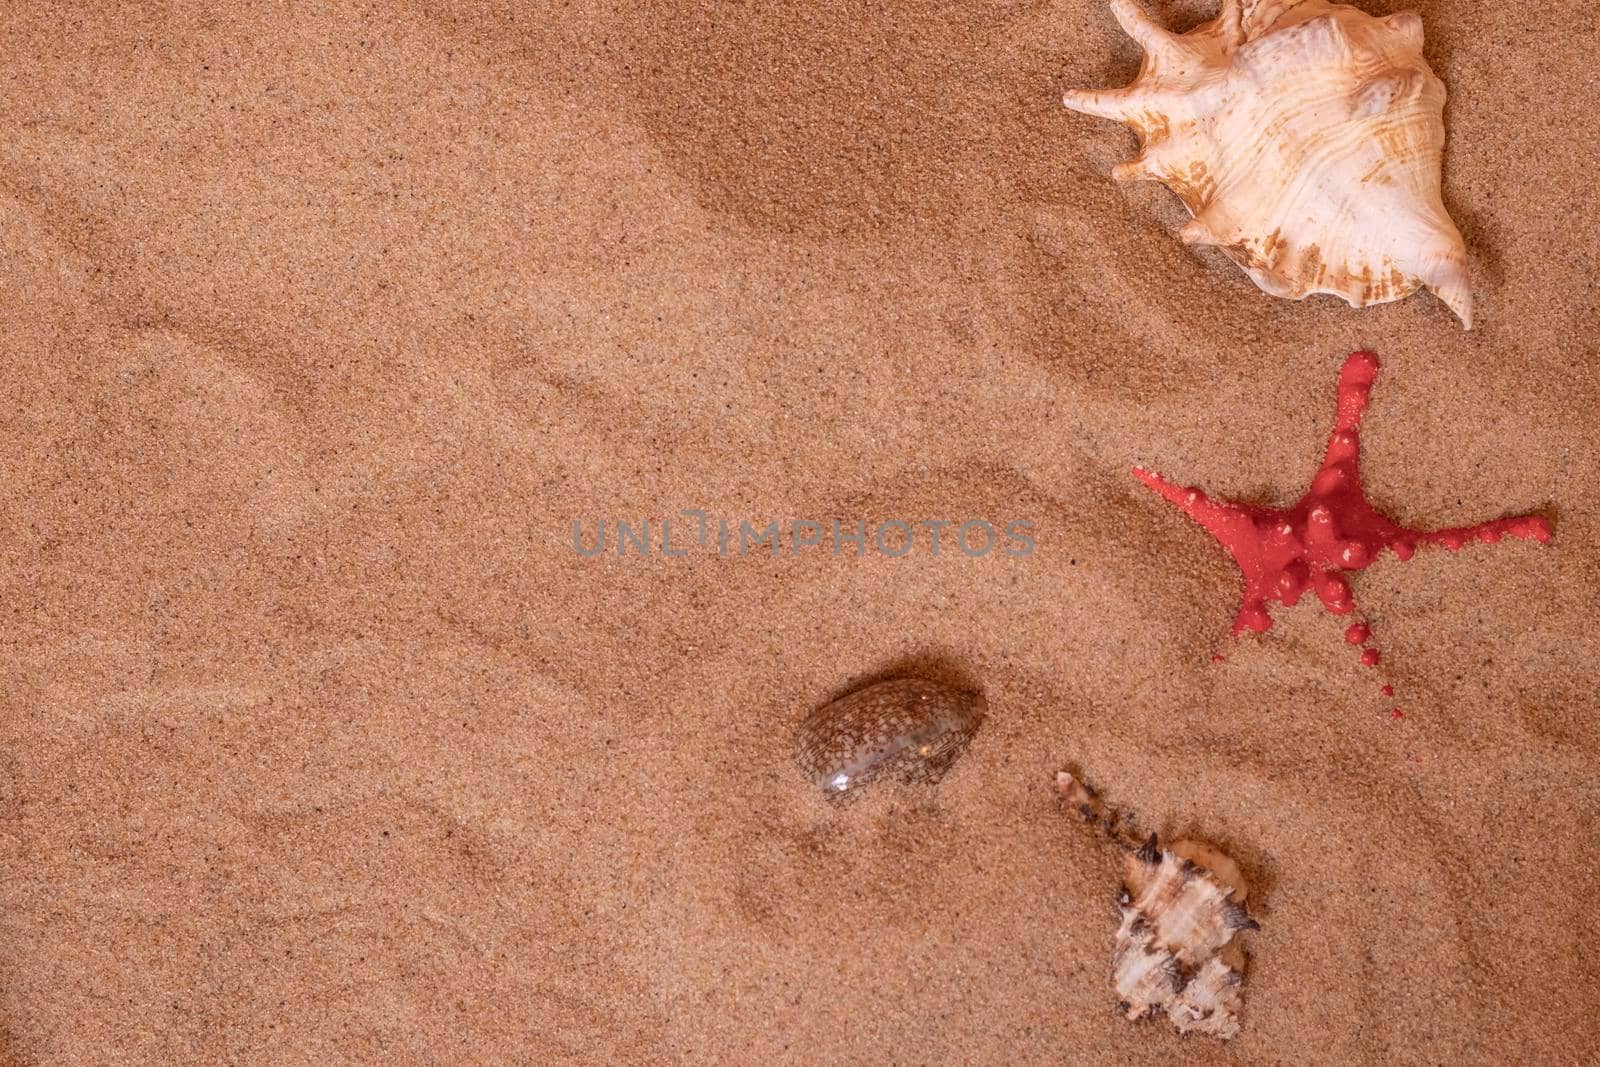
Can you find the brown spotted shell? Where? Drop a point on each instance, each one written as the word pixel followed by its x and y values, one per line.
pixel 910 729
pixel 1306 138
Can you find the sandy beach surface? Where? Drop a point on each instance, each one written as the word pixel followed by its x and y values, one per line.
pixel 320 742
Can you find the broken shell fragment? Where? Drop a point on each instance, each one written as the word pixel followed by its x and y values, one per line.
pixel 1181 908
pixel 907 728
pixel 1306 139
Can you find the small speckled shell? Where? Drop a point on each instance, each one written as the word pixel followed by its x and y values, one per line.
pixel 906 728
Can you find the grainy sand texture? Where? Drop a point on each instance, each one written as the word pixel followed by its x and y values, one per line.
pixel 319 742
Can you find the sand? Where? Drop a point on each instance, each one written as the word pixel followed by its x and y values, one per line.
pixel 321 744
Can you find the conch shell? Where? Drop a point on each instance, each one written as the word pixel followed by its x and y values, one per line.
pixel 1181 907
pixel 1306 140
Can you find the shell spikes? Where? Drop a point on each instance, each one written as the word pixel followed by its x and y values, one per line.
pixel 1181 907
pixel 1306 138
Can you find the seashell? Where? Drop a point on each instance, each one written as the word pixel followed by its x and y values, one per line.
pixel 1306 139
pixel 1181 909
pixel 906 728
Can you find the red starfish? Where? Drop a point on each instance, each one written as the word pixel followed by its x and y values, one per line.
pixel 1333 528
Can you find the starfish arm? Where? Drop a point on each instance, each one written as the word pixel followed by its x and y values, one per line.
pixel 1228 523
pixel 1360 370
pixel 1523 527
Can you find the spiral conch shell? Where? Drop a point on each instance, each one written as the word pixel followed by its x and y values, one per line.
pixel 1181 907
pixel 1306 140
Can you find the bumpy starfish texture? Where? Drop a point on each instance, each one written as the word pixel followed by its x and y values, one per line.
pixel 1333 529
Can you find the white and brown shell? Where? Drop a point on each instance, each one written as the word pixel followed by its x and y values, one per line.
pixel 1306 139
pixel 1176 952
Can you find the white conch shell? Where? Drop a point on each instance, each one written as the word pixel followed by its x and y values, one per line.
pixel 1306 140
